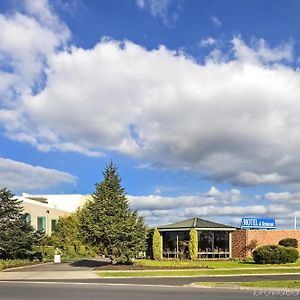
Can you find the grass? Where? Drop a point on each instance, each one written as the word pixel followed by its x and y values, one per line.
pixel 203 272
pixel 223 264
pixel 291 284
pixel 12 263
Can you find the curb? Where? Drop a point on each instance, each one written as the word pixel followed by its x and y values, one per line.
pixel 237 287
pixel 189 276
pixel 27 266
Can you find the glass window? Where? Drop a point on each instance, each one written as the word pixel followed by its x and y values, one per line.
pixel 41 224
pixel 53 225
pixel 27 218
pixel 170 241
pixel 221 241
pixel 205 241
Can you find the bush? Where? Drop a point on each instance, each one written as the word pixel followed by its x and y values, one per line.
pixel 48 252
pixel 289 242
pixel 70 251
pixel 274 254
pixel 81 250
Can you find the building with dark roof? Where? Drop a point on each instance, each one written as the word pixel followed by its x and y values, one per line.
pixel 214 239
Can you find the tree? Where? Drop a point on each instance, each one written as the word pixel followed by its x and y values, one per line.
pixel 16 235
pixel 156 244
pixel 67 231
pixel 193 244
pixel 108 223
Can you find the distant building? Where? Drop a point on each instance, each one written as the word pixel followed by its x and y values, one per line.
pixel 43 211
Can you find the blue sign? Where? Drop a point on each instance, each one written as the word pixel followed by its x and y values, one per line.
pixel 258 223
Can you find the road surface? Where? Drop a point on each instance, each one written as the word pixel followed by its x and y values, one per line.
pixel 72 291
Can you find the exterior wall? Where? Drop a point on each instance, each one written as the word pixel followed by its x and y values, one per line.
pixel 242 238
pixel 239 238
pixel 36 209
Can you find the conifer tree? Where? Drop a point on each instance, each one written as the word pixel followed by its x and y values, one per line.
pixel 16 235
pixel 193 244
pixel 156 244
pixel 108 223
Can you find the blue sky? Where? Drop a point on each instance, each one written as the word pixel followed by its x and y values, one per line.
pixel 197 102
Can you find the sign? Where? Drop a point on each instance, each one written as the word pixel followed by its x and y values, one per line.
pixel 258 223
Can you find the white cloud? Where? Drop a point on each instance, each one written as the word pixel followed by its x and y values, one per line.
pixel 260 51
pixel 21 176
pixel 27 41
pixel 156 202
pixel 216 21
pixel 207 42
pixel 231 119
pixel 284 197
pixel 242 116
pixel 166 10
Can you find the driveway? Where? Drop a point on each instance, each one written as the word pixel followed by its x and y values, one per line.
pixel 75 265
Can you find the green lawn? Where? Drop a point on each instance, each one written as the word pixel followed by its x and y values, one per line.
pixel 177 264
pixel 291 284
pixel 203 272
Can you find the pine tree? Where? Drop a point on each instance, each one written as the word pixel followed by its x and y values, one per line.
pixel 108 223
pixel 16 235
pixel 193 244
pixel 156 244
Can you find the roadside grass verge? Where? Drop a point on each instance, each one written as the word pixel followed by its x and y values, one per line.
pixel 205 264
pixel 288 284
pixel 204 272
pixel 12 263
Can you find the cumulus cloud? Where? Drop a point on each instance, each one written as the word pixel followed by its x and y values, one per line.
pixel 21 176
pixel 284 197
pixel 156 202
pixel 231 118
pixel 227 207
pixel 27 41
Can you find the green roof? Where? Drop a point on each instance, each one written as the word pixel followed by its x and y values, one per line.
pixel 194 223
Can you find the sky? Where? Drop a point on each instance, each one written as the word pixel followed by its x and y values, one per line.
pixel 196 101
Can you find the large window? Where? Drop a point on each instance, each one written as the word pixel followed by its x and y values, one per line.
pixel 175 243
pixel 213 244
pixel 41 224
pixel 221 241
pixel 53 225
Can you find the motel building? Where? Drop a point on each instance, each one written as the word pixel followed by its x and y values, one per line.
pixel 215 240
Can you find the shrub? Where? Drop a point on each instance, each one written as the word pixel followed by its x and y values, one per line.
pixel 193 244
pixel 81 250
pixel 48 252
pixel 274 254
pixel 70 251
pixel 289 242
pixel 156 244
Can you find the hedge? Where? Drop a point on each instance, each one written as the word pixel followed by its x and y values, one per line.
pixel 274 254
pixel 289 242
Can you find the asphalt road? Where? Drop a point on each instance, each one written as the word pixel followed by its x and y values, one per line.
pixel 171 281
pixel 71 291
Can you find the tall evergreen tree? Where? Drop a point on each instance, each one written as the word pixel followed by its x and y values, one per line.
pixel 16 235
pixel 108 223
